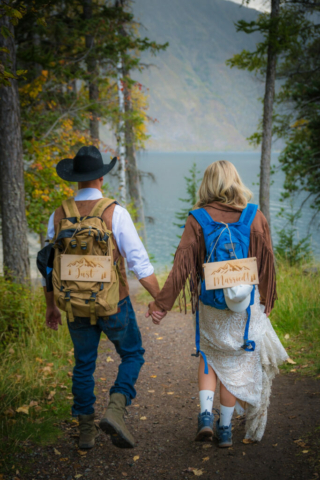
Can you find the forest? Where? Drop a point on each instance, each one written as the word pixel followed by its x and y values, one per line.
pixel 69 71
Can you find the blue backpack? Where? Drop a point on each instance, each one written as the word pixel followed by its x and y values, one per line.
pixel 224 242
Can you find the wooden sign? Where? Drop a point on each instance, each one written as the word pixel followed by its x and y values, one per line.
pixel 86 268
pixel 231 273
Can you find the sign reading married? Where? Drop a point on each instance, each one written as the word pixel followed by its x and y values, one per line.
pixel 231 273
pixel 86 268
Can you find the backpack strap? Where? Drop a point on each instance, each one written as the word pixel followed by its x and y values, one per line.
pixel 202 217
pixel 206 369
pixel 70 208
pixel 248 214
pixel 101 206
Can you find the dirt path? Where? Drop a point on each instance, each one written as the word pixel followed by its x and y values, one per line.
pixel 163 420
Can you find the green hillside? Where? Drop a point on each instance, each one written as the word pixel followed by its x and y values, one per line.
pixel 199 102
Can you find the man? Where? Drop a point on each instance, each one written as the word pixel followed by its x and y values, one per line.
pixel 87 169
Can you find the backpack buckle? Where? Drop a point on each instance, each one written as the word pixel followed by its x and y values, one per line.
pixel 249 346
pixel 69 311
pixel 73 243
pixel 83 245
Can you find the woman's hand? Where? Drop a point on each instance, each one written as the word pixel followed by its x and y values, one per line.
pixel 156 313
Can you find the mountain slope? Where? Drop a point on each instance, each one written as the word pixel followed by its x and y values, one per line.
pixel 199 102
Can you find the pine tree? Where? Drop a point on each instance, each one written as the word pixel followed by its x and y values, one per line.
pixel 280 30
pixel 192 186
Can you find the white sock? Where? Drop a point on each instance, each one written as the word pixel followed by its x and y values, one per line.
pixel 225 415
pixel 206 400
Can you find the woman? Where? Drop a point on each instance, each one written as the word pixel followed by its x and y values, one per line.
pixel 244 376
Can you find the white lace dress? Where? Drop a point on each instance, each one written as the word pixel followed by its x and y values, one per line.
pixel 247 375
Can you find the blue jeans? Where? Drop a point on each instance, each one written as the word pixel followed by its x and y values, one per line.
pixel 122 330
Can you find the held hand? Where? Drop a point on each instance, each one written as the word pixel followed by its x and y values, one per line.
pixel 155 313
pixel 53 317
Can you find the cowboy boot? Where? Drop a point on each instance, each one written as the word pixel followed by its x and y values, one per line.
pixel 88 431
pixel 113 424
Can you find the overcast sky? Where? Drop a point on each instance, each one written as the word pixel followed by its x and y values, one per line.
pixel 262 5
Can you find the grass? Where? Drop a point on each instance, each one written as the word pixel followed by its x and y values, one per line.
pixel 296 316
pixel 35 368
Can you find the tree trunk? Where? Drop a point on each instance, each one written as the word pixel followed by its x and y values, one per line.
pixel 133 177
pixel 14 222
pixel 267 117
pixel 42 239
pixel 93 74
pixel 121 135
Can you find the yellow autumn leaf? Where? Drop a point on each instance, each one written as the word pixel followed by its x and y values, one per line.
pixel 287 336
pixel 56 451
pixel 109 359
pixel 82 452
pixel 160 338
pixel 143 418
pixel 151 391
pixel 305 451
pixel 103 379
pixel 153 376
pixel 205 459
pixel 51 395
pixel 198 472
pixel 292 362
pixel 170 393
pixel 136 458
pixel 247 441
pixel 24 409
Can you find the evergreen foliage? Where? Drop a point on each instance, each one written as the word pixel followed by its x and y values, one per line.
pixel 300 160
pixel 289 247
pixel 57 106
pixel 192 186
pixel 297 116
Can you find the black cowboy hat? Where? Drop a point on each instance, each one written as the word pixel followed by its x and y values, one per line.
pixel 85 166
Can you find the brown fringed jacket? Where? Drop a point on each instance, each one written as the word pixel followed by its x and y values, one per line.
pixel 190 256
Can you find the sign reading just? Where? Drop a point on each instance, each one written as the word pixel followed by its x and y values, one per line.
pixel 86 268
pixel 231 273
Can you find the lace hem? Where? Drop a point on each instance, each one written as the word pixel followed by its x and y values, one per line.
pixel 247 375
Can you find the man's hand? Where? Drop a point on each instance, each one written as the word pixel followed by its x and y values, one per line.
pixel 156 313
pixel 53 317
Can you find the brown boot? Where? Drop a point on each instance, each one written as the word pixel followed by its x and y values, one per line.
pixel 88 431
pixel 113 424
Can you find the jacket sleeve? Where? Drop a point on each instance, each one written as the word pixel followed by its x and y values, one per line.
pixel 186 271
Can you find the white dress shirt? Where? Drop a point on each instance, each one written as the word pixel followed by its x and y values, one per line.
pixel 124 232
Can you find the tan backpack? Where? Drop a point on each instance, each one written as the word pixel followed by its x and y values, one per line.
pixel 76 238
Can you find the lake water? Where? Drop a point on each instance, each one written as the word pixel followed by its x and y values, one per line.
pixel 161 199
pixel 161 196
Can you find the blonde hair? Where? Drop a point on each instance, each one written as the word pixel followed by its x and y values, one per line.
pixel 222 183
